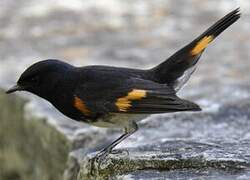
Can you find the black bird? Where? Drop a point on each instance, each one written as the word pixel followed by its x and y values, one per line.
pixel 119 97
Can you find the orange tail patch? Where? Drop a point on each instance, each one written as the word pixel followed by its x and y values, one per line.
pixel 201 45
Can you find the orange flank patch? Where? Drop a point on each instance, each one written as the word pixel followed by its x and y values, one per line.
pixel 124 103
pixel 81 106
pixel 201 45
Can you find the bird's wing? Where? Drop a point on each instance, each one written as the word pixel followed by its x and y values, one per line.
pixel 118 94
pixel 142 96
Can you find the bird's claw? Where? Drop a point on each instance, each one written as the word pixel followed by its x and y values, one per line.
pixel 97 161
pixel 120 151
pixel 100 156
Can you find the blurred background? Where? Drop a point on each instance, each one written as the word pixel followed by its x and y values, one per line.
pixel 131 33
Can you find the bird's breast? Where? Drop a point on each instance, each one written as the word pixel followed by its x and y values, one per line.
pixel 117 120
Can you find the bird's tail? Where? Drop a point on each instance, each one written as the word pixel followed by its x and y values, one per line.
pixel 178 68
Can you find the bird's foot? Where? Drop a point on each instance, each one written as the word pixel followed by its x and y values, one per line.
pixel 120 151
pixel 100 156
pixel 97 161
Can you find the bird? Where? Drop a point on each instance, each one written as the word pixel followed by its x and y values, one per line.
pixel 119 97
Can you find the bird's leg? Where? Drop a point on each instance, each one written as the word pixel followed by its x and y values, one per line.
pixel 129 130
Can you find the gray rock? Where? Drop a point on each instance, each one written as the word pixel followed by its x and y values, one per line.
pixel 29 149
pixel 217 158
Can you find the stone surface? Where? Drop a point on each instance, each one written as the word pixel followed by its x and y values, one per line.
pixel 29 149
pixel 212 144
pixel 218 155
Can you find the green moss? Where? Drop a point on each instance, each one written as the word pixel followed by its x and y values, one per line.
pixel 29 149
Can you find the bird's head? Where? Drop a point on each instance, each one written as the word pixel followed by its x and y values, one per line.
pixel 43 78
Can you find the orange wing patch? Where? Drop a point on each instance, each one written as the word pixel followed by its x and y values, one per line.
pixel 201 45
pixel 81 106
pixel 124 103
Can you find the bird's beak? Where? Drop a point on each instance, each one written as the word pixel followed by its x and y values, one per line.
pixel 14 89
